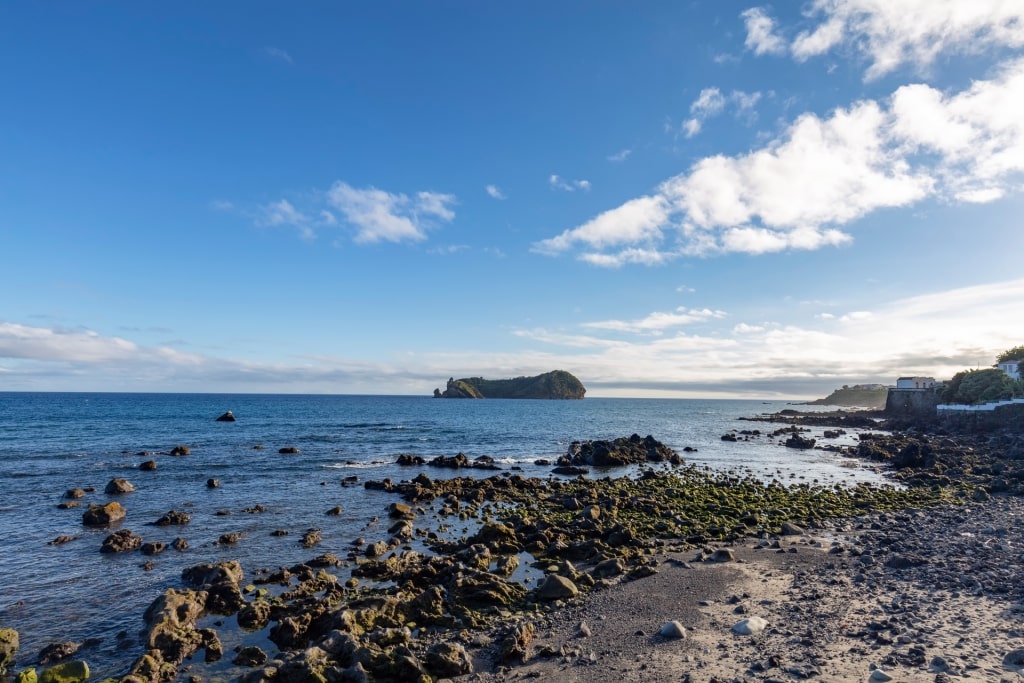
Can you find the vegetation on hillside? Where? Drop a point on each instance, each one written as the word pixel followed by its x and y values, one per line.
pixel 1016 353
pixel 979 386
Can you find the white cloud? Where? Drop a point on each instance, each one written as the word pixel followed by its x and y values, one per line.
pixel 638 220
pixel 385 216
pixel 282 213
pixel 494 192
pixel 761 36
pixel 658 321
pixel 278 54
pixel 802 188
pixel 635 256
pixel 620 155
pixel 559 183
pixel 891 34
pixel 711 102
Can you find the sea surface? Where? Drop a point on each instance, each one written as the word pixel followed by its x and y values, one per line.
pixel 52 442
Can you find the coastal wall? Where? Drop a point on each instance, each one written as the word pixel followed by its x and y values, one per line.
pixel 912 404
pixel 1007 415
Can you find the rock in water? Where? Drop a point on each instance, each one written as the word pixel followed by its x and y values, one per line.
pixel 750 627
pixel 116 486
pixel 226 417
pixel 121 541
pixel 103 515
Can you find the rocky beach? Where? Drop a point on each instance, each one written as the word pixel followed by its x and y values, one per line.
pixel 677 573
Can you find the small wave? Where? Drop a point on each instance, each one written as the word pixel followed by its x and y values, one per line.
pixel 356 465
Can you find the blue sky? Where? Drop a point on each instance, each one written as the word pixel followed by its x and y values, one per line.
pixel 666 199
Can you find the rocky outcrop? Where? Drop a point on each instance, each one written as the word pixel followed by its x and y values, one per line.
pixel 632 450
pixel 226 417
pixel 557 384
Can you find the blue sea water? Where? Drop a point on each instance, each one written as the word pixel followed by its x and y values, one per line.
pixel 51 442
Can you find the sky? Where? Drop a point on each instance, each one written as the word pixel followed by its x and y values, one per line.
pixel 667 199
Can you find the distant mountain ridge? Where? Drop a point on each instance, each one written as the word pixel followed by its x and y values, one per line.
pixel 557 384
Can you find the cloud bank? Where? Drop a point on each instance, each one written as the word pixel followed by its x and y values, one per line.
pixel 687 351
pixel 803 188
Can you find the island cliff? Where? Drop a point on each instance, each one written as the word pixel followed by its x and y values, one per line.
pixel 557 384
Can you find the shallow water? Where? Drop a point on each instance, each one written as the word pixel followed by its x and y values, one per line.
pixel 50 443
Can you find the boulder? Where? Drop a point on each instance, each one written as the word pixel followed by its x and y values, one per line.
pixel 9 643
pixel 288 450
pixel 121 541
pixel 556 587
pixel 117 486
pixel 722 555
pixel 75 493
pixel 226 417
pixel 174 518
pixel 400 511
pixel 147 466
pixel 250 656
pixel 181 450
pixel 67 672
pixel 203 575
pixel 673 630
pixel 103 515
pixel 608 568
pixel 213 483
pixel 800 442
pixel 58 652
pixel 750 626
pixel 448 659
pixel 515 646
pixel 153 548
pixel 570 470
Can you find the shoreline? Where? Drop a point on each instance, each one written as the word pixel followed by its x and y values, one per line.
pixel 615 542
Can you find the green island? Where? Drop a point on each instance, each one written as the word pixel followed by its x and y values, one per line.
pixel 557 384
pixel 870 396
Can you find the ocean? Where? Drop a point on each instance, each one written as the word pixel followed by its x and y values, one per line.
pixel 53 442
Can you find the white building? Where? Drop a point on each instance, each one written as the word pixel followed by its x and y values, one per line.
pixel 915 383
pixel 1011 368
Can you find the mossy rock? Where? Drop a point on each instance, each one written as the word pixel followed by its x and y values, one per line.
pixel 8 648
pixel 27 676
pixel 66 672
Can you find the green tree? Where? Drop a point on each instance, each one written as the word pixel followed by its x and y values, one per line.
pixel 979 386
pixel 1016 353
